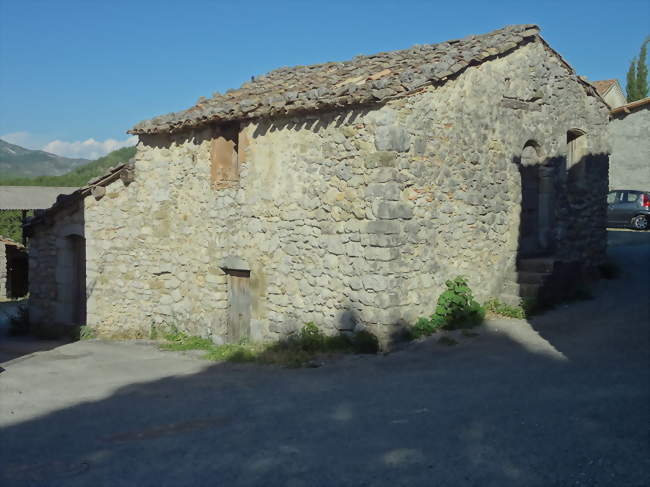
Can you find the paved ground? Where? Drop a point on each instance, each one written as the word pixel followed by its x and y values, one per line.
pixel 561 401
pixel 16 346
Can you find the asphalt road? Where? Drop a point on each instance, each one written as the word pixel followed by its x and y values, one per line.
pixel 562 400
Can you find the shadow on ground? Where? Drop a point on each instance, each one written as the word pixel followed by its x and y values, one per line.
pixel 12 347
pixel 498 409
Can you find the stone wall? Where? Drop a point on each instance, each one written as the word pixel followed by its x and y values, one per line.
pixel 629 137
pixel 348 219
pixel 47 265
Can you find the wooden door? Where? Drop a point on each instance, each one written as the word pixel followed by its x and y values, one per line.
pixel 239 306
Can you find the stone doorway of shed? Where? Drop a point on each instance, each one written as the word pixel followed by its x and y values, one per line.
pixel 238 276
pixel 71 280
pixel 537 217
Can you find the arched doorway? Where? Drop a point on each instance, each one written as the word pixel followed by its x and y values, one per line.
pixel 537 202
pixel 71 280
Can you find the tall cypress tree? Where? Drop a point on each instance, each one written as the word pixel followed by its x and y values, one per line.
pixel 637 75
pixel 642 72
pixel 631 82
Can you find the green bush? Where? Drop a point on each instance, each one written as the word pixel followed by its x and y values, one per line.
pixel 310 338
pixel 456 308
pixel 457 305
pixel 364 342
pixel 427 326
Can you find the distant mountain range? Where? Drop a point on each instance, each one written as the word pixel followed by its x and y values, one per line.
pixel 78 176
pixel 10 220
pixel 16 161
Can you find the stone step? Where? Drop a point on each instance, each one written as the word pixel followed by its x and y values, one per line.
pixel 532 277
pixel 540 264
pixel 529 290
pixel 522 289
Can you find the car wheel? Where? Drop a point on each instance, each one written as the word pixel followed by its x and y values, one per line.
pixel 640 222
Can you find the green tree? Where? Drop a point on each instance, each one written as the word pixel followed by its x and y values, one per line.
pixel 631 82
pixel 637 75
pixel 642 71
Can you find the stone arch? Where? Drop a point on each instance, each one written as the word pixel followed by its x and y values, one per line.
pixel 537 216
pixel 71 229
pixel 576 157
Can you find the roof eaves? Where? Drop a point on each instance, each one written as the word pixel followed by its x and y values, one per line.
pixel 64 201
pixel 625 109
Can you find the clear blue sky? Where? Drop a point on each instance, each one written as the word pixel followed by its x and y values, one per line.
pixel 74 70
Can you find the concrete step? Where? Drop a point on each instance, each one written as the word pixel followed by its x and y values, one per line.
pixel 539 264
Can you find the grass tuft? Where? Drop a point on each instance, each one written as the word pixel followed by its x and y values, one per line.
pixel 502 309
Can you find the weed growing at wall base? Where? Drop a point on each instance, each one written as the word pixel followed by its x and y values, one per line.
pixel 502 309
pixel 295 351
pixel 456 308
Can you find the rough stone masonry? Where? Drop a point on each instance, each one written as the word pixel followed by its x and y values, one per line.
pixel 343 194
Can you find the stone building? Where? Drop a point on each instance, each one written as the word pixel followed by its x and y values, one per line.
pixel 343 193
pixel 629 139
pixel 610 90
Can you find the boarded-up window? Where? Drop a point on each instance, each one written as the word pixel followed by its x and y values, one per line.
pixel 224 160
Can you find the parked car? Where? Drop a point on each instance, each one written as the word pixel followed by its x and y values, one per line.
pixel 628 208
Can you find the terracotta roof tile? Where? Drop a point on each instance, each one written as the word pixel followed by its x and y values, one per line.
pixel 603 86
pixel 364 79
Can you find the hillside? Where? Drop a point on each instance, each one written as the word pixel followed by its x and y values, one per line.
pixel 10 220
pixel 77 177
pixel 16 161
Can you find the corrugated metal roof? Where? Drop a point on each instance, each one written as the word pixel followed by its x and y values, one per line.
pixel 30 197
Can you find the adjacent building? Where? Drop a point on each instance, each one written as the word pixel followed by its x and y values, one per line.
pixel 629 139
pixel 610 90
